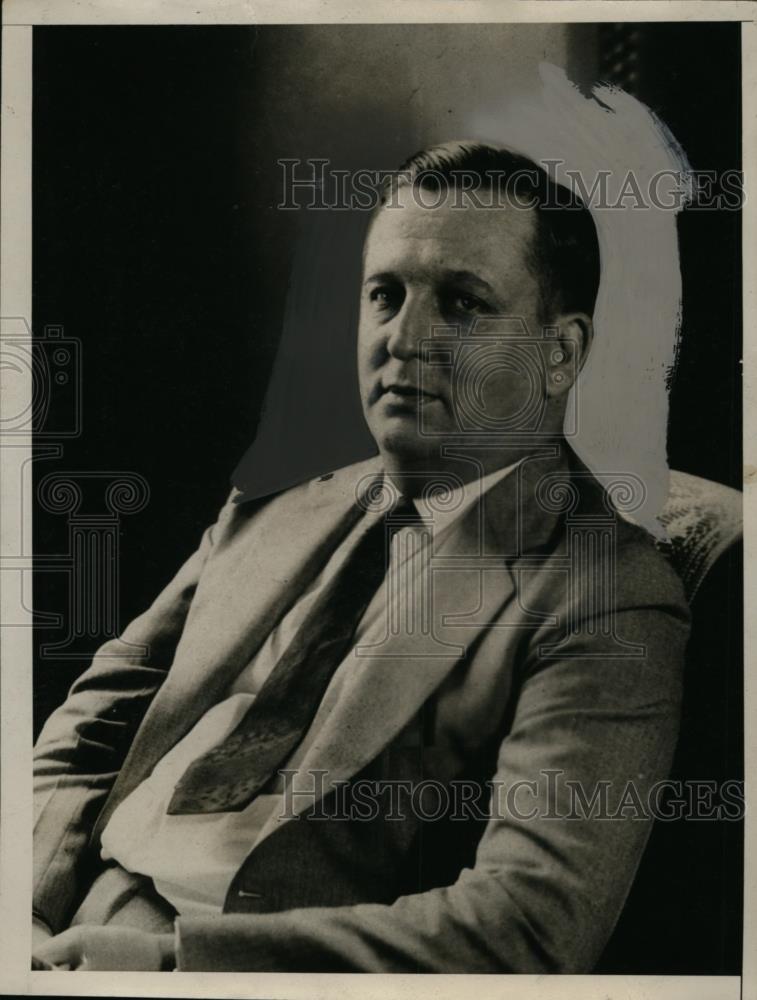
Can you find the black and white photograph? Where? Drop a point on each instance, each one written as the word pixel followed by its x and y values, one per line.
pixel 374 495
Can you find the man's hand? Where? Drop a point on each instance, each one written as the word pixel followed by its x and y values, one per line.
pixel 40 933
pixel 90 947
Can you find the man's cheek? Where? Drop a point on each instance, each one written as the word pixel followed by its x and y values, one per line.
pixel 366 352
pixel 503 400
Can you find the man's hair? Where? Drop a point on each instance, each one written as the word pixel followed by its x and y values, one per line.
pixel 564 255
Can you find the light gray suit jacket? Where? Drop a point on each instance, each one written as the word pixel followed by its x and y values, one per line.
pixel 546 668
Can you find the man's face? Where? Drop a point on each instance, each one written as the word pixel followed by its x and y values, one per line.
pixel 426 268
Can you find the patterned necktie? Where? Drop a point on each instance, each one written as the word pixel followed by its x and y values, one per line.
pixel 228 777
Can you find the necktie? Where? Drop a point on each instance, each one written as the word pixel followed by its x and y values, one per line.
pixel 228 777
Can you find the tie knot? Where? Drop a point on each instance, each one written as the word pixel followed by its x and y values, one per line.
pixel 403 514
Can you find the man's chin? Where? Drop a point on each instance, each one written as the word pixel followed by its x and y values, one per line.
pixel 404 447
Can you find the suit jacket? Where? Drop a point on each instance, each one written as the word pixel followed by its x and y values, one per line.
pixel 559 637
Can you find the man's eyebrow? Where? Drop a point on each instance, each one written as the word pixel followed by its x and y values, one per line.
pixel 472 279
pixel 468 276
pixel 382 276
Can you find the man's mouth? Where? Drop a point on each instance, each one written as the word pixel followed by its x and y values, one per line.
pixel 407 393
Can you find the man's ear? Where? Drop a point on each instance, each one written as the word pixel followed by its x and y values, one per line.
pixel 567 353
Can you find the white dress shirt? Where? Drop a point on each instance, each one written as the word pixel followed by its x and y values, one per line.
pixel 193 858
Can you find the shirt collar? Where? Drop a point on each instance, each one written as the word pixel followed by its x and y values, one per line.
pixel 441 513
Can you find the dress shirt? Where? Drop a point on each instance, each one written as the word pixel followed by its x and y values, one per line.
pixel 193 858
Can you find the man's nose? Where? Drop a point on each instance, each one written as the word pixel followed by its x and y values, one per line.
pixel 412 325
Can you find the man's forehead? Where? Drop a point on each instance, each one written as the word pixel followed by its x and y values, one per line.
pixel 422 228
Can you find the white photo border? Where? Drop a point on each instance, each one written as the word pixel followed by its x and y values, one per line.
pixel 19 17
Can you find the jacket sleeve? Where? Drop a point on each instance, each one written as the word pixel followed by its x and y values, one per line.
pixel 549 879
pixel 84 742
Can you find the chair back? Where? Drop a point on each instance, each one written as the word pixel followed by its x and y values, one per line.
pixel 702 519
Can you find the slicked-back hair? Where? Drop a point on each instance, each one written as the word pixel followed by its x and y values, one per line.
pixel 564 255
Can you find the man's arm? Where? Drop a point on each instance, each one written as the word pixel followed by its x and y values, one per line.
pixel 544 893
pixel 84 742
pixel 103 949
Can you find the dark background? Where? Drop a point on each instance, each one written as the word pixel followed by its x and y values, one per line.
pixel 157 244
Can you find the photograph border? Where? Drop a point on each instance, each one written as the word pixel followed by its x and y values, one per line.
pixel 19 18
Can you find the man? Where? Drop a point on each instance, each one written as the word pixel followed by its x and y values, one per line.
pixel 371 705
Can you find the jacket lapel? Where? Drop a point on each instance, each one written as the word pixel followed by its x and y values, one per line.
pixel 242 593
pixel 388 682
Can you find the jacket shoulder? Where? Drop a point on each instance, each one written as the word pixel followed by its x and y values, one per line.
pixel 643 569
pixel 339 488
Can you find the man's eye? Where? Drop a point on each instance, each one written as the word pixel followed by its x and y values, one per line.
pixel 385 297
pixel 468 303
